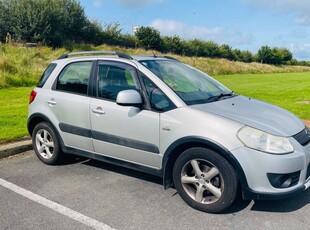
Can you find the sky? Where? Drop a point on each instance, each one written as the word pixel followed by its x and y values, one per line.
pixel 242 24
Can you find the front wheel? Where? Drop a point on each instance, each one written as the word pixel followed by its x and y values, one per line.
pixel 205 180
pixel 45 144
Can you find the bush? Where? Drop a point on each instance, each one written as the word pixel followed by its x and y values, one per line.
pixel 149 38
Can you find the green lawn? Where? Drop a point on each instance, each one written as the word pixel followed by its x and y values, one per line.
pixel 287 90
pixel 13 113
pixel 284 89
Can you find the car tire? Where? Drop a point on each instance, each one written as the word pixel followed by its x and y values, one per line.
pixel 205 180
pixel 46 144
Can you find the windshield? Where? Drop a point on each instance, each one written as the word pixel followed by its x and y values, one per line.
pixel 190 84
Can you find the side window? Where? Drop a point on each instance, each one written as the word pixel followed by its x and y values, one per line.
pixel 46 74
pixel 158 100
pixel 74 78
pixel 114 78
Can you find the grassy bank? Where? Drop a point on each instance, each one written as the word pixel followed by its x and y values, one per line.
pixel 21 66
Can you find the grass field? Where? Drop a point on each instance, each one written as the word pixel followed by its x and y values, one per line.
pixel 13 113
pixel 287 90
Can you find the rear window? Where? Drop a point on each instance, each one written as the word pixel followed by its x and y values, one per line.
pixel 46 74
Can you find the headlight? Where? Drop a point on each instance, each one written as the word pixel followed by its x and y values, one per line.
pixel 265 142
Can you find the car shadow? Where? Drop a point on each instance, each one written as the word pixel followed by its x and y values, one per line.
pixel 285 205
pixel 70 159
pixel 124 171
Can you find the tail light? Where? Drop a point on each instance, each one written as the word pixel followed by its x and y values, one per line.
pixel 32 96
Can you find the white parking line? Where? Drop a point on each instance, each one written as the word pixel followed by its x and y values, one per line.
pixel 56 207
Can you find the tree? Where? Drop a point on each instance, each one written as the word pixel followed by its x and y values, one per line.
pixel 4 20
pixel 188 49
pixel 227 53
pixel 149 38
pixel 211 49
pixel 172 44
pixel 128 41
pixel 286 55
pixel 274 55
pixel 112 34
pixel 264 54
pixel 246 56
pixel 198 48
pixel 93 33
pixel 51 22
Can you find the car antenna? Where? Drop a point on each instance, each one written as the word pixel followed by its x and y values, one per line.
pixel 154 55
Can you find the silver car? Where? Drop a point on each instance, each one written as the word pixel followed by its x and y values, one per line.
pixel 157 115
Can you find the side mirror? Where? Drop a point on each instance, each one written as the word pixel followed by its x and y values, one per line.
pixel 129 97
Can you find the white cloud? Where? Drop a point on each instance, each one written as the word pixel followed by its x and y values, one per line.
pixel 300 8
pixel 299 33
pixel 281 5
pixel 301 51
pixel 127 3
pixel 236 37
pixel 172 27
pixel 137 3
pixel 97 3
pixel 303 20
pixel 217 34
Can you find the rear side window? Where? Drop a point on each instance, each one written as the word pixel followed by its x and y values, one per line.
pixel 74 78
pixel 46 74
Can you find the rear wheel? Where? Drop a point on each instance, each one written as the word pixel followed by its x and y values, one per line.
pixel 205 180
pixel 46 144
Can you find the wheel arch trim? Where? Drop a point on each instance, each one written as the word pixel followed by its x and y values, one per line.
pixel 31 123
pixel 184 143
pixel 37 116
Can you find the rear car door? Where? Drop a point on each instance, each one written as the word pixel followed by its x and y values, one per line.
pixel 123 132
pixel 69 105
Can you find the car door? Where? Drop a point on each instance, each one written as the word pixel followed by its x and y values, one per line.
pixel 69 105
pixel 123 132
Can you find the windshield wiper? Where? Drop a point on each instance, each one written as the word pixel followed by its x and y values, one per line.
pixel 218 97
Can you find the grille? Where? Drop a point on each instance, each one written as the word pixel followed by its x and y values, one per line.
pixel 295 179
pixel 303 137
pixel 283 180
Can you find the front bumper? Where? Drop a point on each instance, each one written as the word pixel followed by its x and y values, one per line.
pixel 257 165
pixel 249 194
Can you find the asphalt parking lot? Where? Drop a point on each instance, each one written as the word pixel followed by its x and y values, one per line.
pixel 86 194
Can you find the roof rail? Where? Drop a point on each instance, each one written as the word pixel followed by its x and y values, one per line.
pixel 172 58
pixel 120 54
pixel 164 56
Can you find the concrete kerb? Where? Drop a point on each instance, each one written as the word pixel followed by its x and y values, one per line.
pixel 15 148
pixel 25 145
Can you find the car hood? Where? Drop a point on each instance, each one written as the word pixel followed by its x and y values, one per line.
pixel 254 113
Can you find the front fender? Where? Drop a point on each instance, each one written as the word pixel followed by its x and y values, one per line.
pixel 180 145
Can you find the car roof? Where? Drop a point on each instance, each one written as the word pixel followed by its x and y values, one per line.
pixel 96 55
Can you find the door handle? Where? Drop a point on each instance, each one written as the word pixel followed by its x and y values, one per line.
pixel 51 102
pixel 98 111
